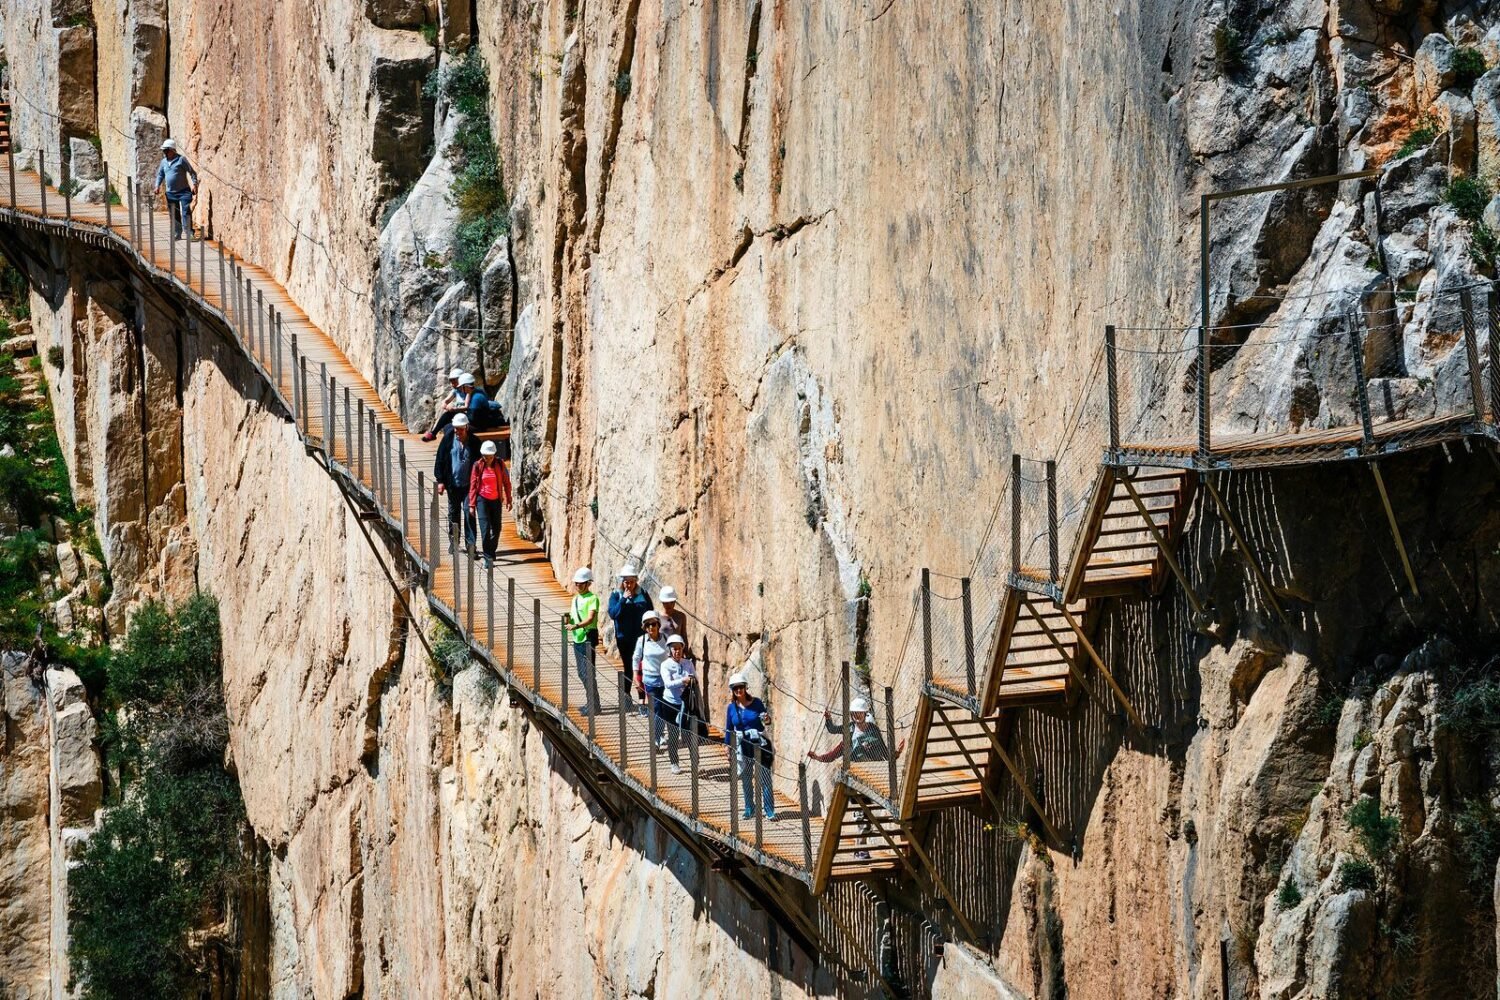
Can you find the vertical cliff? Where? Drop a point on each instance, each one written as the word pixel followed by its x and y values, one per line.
pixel 782 286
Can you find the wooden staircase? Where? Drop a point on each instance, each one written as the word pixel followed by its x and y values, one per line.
pixel 948 758
pixel 1130 533
pixel 4 127
pixel 1032 650
pixel 860 839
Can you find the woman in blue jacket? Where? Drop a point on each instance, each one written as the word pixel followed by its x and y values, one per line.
pixel 745 722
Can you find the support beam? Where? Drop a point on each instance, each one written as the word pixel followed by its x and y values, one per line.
pixel 1088 647
pixel 942 886
pixel 1261 579
pixel 1020 780
pixel 1166 550
pixel 1390 514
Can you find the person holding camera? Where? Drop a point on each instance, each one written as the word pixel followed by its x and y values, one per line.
pixel 745 722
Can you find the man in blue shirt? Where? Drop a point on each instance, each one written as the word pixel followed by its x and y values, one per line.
pixel 484 413
pixel 177 175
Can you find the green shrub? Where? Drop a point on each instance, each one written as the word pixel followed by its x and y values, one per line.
pixel 1377 833
pixel 430 33
pixel 1423 137
pixel 1468 65
pixel 1484 246
pixel 1471 708
pixel 1468 196
pixel 1476 843
pixel 478 188
pixel 450 654
pixel 1229 48
pixel 55 356
pixel 1289 896
pixel 167 656
pixel 1355 873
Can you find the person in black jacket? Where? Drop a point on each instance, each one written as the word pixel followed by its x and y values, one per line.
pixel 456 455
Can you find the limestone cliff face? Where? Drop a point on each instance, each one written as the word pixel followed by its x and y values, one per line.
pixel 788 283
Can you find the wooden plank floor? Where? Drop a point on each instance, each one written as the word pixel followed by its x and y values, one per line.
pixel 539 661
pixel 1304 446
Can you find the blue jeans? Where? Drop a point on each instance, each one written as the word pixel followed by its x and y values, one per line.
pixel 181 211
pixel 491 514
pixel 583 662
pixel 755 764
pixel 655 706
pixel 458 508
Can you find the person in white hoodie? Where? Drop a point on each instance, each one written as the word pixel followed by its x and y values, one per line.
pixel 678 676
pixel 646 662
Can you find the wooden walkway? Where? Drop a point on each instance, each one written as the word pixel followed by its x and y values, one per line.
pixel 512 617
pixel 1041 654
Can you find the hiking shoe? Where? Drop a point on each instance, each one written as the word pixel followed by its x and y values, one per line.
pixel 770 814
pixel 489 563
pixel 749 813
pixel 676 768
pixel 862 855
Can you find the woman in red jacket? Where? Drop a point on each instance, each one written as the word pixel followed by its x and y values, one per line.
pixel 489 489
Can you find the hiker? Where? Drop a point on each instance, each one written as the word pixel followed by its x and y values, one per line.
pixel 484 413
pixel 489 495
pixel 177 175
pixel 583 620
pixel 673 618
pixel 451 404
pixel 456 456
pixel 646 662
pixel 865 740
pixel 677 676
pixel 627 605
pixel 745 722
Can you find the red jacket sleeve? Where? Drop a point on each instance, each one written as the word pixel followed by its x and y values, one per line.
pixel 474 476
pixel 504 483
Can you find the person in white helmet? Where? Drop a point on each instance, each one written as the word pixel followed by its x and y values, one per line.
pixel 583 623
pixel 745 724
pixel 489 495
pixel 650 651
pixel 456 455
pixel 678 678
pixel 179 178
pixel 450 405
pixel 484 413
pixel 865 739
pixel 673 618
pixel 627 605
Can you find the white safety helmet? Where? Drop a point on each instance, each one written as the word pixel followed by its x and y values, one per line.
pixel 859 705
pixel 738 680
pixel 488 448
pixel 465 378
pixel 650 616
pixel 628 570
pixel 455 374
pixel 583 575
pixel 460 420
pixel 676 640
pixel 168 144
pixel 668 595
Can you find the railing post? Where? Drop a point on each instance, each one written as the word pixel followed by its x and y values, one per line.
pixel 651 755
pixel 1015 512
pixel 844 705
pixel 758 779
pixel 359 444
pixel 510 624
pixel 187 251
pixel 1205 441
pixel 149 208
pixel 536 646
pixel 223 288
pixel 1053 565
pixel 458 581
pixel 172 221
pixel 1112 387
pixel 202 265
pixel 807 859
pixel 401 469
pixel 1494 350
pixel 693 742
pixel 435 541
pixel 280 333
pixel 41 171
pixel 10 168
pixel 489 609
pixel 565 666
pixel 133 229
pixel 890 740
pixel 469 589
pixel 327 415
pixel 926 625
pixel 621 696
pixel 258 331
pixel 109 215
pixel 1471 347
pixel 421 503
pixel 65 171
pixel 1361 385
pixel 390 485
pixel 734 782
pixel 591 697
pixel 969 658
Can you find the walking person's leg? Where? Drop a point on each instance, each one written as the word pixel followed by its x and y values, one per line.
pixel 443 420
pixel 582 654
pixel 653 698
pixel 175 216
pixel 489 528
pixel 456 516
pixel 187 219
pixel 747 780
pixel 767 792
pixel 468 513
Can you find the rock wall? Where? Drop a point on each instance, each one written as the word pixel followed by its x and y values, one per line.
pixel 848 257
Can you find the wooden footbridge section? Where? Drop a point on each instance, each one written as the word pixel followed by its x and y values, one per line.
pixel 1041 654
